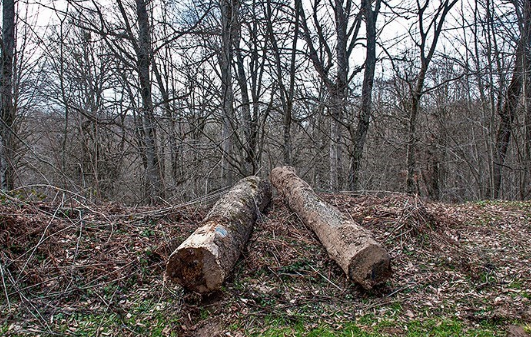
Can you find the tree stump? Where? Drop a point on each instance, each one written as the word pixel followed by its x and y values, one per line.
pixel 363 259
pixel 203 261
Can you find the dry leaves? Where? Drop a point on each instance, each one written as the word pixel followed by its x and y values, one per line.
pixel 470 261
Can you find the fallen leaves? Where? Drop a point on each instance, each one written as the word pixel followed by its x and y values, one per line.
pixel 469 261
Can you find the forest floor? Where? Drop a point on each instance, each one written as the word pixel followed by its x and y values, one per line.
pixel 72 269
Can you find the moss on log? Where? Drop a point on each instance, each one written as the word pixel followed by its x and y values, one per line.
pixel 203 261
pixel 363 259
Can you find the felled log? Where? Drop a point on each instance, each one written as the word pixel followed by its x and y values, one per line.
pixel 363 259
pixel 203 261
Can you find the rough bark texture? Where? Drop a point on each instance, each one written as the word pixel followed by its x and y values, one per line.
pixel 7 108
pixel 359 136
pixel 143 51
pixel 363 259
pixel 229 8
pixel 203 261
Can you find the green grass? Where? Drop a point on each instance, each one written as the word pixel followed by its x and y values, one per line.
pixel 508 204
pixel 281 327
pixel 3 329
pixel 447 328
pixel 516 284
pixel 370 326
pixel 142 320
pixel 147 319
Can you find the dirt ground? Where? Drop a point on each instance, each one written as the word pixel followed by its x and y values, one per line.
pixel 74 268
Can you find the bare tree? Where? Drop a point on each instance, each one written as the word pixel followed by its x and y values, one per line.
pixel 132 46
pixel 143 52
pixel 251 83
pixel 93 137
pixel 359 134
pixel 333 67
pixel 515 89
pixel 286 87
pixel 183 98
pixel 429 26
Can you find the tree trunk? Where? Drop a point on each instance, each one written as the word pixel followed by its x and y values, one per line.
pixel 228 10
pixel 153 175
pixel 247 149
pixel 339 95
pixel 363 259
pixel 411 162
pixel 526 190
pixel 426 54
pixel 174 152
pixel 286 91
pixel 203 261
pixel 507 116
pixel 509 109
pixel 360 136
pixel 335 150
pixel 7 137
pixel 337 85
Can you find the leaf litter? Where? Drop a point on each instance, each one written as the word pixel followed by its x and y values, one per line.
pixel 65 263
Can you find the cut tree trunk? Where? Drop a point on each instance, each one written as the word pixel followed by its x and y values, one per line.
pixel 203 261
pixel 363 259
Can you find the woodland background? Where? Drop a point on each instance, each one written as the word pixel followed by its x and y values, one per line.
pixel 155 101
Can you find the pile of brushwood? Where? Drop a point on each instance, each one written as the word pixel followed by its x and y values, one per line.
pixel 70 267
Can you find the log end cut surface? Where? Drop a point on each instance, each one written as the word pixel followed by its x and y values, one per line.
pixel 371 266
pixel 206 257
pixel 195 269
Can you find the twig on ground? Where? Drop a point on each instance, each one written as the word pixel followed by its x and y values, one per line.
pixel 327 279
pixel 4 283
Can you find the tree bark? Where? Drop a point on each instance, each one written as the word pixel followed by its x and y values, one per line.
pixel 229 9
pixel 203 261
pixel 507 117
pixel 363 259
pixel 7 137
pixel 339 94
pixel 411 147
pixel 153 175
pixel 360 135
pixel 526 190
pixel 509 109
